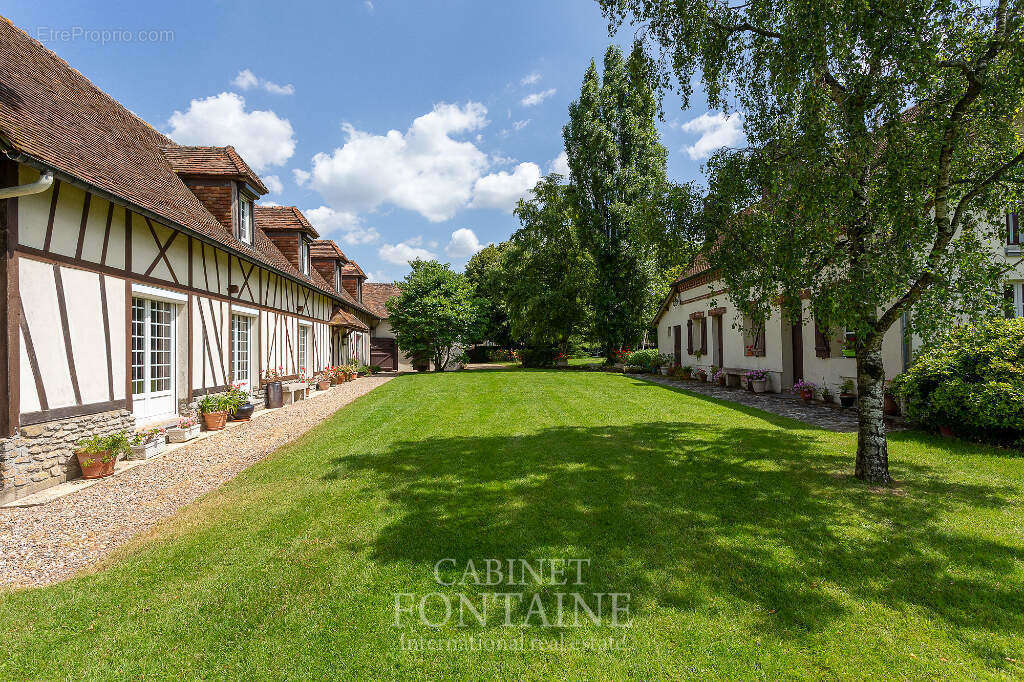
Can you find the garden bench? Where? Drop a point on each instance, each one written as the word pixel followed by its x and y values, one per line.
pixel 734 377
pixel 293 392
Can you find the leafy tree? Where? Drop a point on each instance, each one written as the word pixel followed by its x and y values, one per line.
pixel 485 271
pixel 882 142
pixel 548 274
pixel 617 169
pixel 435 312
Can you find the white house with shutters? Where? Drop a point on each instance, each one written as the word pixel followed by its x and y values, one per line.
pixel 138 274
pixel 699 325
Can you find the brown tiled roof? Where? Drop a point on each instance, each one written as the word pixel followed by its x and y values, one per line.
pixel 52 115
pixel 375 294
pixel 699 266
pixel 343 318
pixel 352 268
pixel 326 248
pixel 212 161
pixel 283 218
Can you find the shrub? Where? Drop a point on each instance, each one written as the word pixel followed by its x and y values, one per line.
pixel 646 358
pixel 538 357
pixel 973 380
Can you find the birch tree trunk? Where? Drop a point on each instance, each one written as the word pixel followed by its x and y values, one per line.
pixel 872 448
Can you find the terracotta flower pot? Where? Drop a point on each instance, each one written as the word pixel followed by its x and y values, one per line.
pixel 323 385
pixel 215 421
pixel 807 394
pixel 93 465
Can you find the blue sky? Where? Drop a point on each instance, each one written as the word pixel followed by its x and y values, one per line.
pixel 401 127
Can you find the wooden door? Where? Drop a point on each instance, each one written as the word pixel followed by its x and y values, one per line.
pixel 719 343
pixel 677 343
pixel 798 352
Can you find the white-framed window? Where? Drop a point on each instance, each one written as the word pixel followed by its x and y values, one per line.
pixel 1015 299
pixel 303 345
pixel 241 350
pixel 245 230
pixel 152 357
pixel 303 255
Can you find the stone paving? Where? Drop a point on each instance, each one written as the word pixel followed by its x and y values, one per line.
pixel 831 417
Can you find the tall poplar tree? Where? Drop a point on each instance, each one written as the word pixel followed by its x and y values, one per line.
pixel 617 169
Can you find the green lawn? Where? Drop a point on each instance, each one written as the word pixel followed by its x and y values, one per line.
pixel 746 548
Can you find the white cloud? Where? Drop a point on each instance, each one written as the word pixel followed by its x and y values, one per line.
pixel 246 80
pixel 403 252
pixel 536 98
pixel 530 79
pixel 717 130
pixel 273 183
pixel 264 202
pixel 463 244
pixel 502 190
pixel 343 225
pixel 261 137
pixel 424 169
pixel 519 125
pixel 369 6
pixel 560 164
pixel 301 176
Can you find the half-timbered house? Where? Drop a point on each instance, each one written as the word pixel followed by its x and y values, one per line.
pixel 137 274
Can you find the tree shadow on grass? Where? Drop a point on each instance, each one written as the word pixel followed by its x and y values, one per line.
pixel 671 512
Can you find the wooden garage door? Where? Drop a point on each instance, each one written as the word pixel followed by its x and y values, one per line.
pixel 384 353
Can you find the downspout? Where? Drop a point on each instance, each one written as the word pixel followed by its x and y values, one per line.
pixel 40 185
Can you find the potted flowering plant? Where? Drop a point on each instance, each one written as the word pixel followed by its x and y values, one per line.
pixel 310 383
pixel 215 409
pixel 98 455
pixel 186 430
pixel 239 399
pixel 757 379
pixel 150 443
pixel 805 389
pixel 664 363
pixel 561 359
pixel 717 377
pixel 847 394
pixel 272 378
pixel 323 380
pixel 702 375
pixel 686 371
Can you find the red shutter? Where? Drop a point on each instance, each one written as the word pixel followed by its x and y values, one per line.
pixel 689 337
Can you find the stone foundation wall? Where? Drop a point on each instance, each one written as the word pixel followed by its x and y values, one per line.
pixel 43 455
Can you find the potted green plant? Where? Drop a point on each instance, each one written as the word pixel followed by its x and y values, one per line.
pixel 847 393
pixel 805 389
pixel 665 363
pixel 758 380
pixel 149 443
pixel 98 455
pixel 215 409
pixel 186 430
pixel 826 394
pixel 275 393
pixel 686 371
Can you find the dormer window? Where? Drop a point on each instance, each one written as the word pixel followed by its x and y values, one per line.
pixel 245 230
pixel 337 276
pixel 303 255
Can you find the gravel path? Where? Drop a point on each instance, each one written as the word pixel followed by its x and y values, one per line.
pixel 51 542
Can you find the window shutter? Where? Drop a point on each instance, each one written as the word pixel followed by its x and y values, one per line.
pixel 822 345
pixel 704 336
pixel 1012 229
pixel 759 342
pixel 689 337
